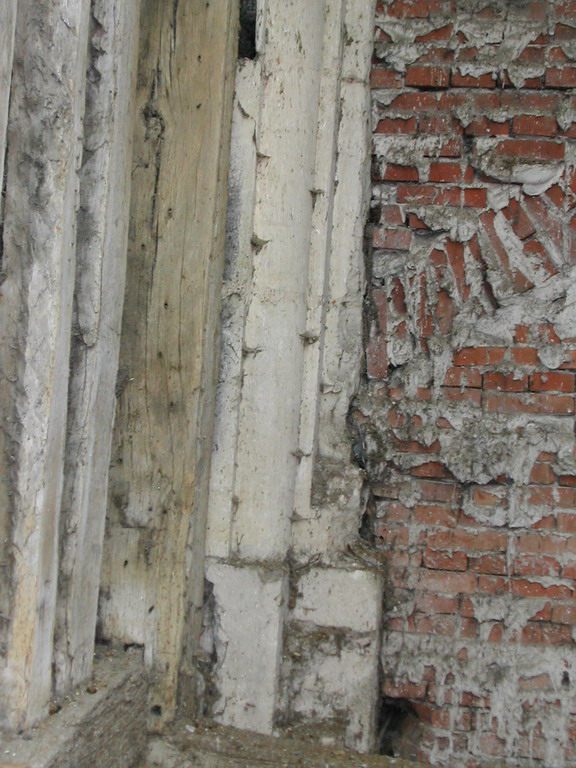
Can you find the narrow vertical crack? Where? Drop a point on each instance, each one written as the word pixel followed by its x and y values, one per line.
pixel 247 39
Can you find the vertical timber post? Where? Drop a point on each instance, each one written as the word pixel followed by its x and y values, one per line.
pixel 44 150
pixel 99 296
pixel 153 564
pixel 7 29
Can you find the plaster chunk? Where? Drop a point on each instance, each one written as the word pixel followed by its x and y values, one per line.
pixel 331 597
pixel 247 652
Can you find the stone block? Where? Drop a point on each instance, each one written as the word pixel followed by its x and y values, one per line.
pixel 246 636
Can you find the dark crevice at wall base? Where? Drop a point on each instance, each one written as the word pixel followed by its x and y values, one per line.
pixel 398 729
pixel 247 38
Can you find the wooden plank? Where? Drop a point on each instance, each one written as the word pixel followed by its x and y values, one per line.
pixel 153 559
pixel 46 110
pixel 99 295
pixel 7 27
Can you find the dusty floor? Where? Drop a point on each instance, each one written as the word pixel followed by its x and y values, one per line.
pixel 205 745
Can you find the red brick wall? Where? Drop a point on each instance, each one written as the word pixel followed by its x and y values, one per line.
pixel 466 416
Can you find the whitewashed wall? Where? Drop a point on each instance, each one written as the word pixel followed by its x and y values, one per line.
pixel 285 498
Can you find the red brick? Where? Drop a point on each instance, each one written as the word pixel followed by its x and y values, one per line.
pixel 540 682
pixel 509 403
pixel 524 102
pixel 546 456
pixel 396 537
pixel 444 312
pixel 445 561
pixel 404 690
pixel 463 377
pixel 563 32
pixel 486 498
pixel 475 198
pixel 544 218
pixel 447 582
pixel 445 172
pixel 392 239
pixel 531 125
pixel 479 356
pixel 545 614
pixel 436 35
pixel 435 515
pixel 456 395
pixel 521 225
pixel 531 149
pixel 556 194
pixel 493 585
pixel 528 588
pixel 451 148
pixel 414 222
pixel 566 522
pixel 468 699
pixel 425 194
pixel 518 280
pixel 548 634
pixel 468 541
pixel 394 512
pixel 552 382
pixel 457 80
pixel 385 78
pixel 395 125
pixel 547 523
pixel 431 469
pixel 415 9
pixel 553 497
pixel 429 603
pixel 413 446
pixel 532 54
pixel 400 173
pixel 496 633
pixel 482 126
pixel 505 382
pixel 557 77
pixel 431 490
pixel 490 744
pixel 427 77
pixel 455 254
pixel 391 215
pixel 536 565
pixel 524 355
pixel 569 360
pixel 564 614
pixel 494 564
pixel 542 474
pixel 433 625
pixel 398 297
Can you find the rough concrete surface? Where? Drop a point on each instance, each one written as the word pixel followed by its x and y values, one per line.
pixel 100 726
pixel 206 745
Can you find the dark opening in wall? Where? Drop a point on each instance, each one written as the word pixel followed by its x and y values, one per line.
pixel 399 730
pixel 247 41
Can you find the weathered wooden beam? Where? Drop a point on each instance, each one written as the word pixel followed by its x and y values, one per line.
pixel 7 27
pixel 153 560
pixel 44 148
pixel 99 295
